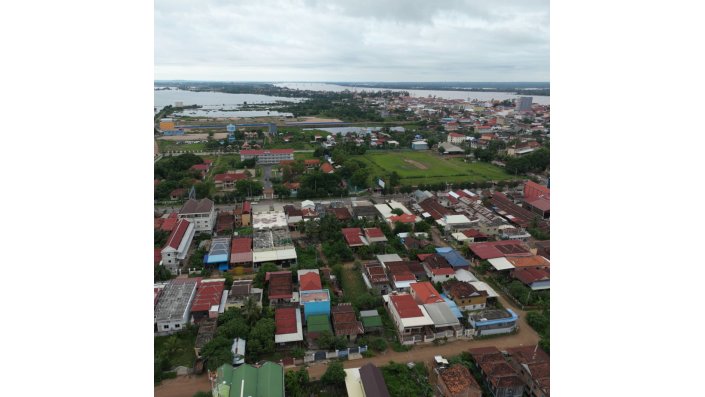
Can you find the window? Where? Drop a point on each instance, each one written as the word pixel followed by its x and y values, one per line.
pixel 177 326
pixel 166 326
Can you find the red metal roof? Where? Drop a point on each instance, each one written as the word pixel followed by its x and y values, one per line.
pixel 241 245
pixel 533 190
pixel 230 177
pixel 285 320
pixel 374 232
pixel 312 161
pixel 473 233
pixel 279 285
pixel 405 306
pixel 353 236
pixel 200 167
pixel 310 282
pixel 443 271
pixel 169 224
pixel 498 249
pixel 246 207
pixel 157 255
pixel 207 295
pixel 541 203
pixel 454 135
pixel 531 275
pixel 177 234
pixel 326 168
pixel 269 151
pixel 422 257
pixel 424 293
pixel 403 218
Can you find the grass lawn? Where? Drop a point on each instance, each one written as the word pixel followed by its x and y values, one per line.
pixel 165 146
pixel 303 156
pixel 182 352
pixel 437 169
pixel 352 284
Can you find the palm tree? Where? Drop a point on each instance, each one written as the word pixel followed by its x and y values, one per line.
pixel 251 311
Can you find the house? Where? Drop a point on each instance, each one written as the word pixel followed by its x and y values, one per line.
pixel 465 295
pixel 311 164
pixel 176 248
pixel 455 223
pixel 280 287
pixel 173 309
pixel 266 380
pixel 536 279
pixel 315 302
pixel 315 326
pixel 206 303
pixel 341 214
pixel 177 194
pixel 540 206
pixel 354 237
pixel 492 322
pixel 238 351
pixel 450 149
pixel 456 138
pixel 437 268
pixel 309 280
pixel 533 190
pixel 228 180
pixel 475 235
pixel 365 211
pixel 419 145
pixel 326 168
pixel 366 381
pixel 240 292
pixel 288 326
pixel 533 261
pixel 534 367
pixel 375 277
pixel 241 252
pixel 455 259
pixel 199 212
pixel 371 321
pixel 375 235
pixel 243 214
pixel 499 249
pixel 456 381
pixel 424 293
pixel 345 323
pixel 270 156
pixel 273 245
pixel 219 253
pixel 202 168
pixel 411 320
pixel 497 374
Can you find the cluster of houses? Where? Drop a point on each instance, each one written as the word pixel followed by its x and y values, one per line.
pixel 515 372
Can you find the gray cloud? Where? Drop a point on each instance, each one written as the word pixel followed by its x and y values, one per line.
pixel 362 40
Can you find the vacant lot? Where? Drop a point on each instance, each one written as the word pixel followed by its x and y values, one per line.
pixel 410 166
pixel 352 283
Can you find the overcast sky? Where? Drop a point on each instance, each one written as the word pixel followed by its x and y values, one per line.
pixel 356 40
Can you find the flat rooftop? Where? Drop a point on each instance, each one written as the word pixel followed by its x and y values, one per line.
pixel 266 239
pixel 269 219
pixel 175 298
pixel 314 296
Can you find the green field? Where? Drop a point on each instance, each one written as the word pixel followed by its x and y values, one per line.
pixel 303 156
pixel 167 146
pixel 439 169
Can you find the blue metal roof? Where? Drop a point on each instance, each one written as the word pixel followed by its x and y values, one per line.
pixel 453 307
pixel 453 257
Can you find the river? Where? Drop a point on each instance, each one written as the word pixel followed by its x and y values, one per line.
pixel 216 100
pixel 470 95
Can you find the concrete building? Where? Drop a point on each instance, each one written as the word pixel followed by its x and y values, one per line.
pixel 345 322
pixel 492 322
pixel 523 104
pixel 456 138
pixel 419 145
pixel 199 212
pixel 177 245
pixel 465 295
pixel 365 381
pixel 289 328
pixel 497 374
pixel 207 302
pixel 240 292
pixel 174 306
pixel 219 253
pixel 271 156
pixel 280 290
pixel 273 245
pixel 411 320
pixel 248 380
pixel 316 302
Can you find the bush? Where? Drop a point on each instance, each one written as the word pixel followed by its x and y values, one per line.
pixel 378 344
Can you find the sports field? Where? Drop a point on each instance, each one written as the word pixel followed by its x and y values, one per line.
pixel 425 167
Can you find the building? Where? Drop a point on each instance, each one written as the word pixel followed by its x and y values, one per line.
pixel 345 323
pixel 375 235
pixel 273 245
pixel 456 138
pixel 174 305
pixel 411 320
pixel 450 149
pixel 288 324
pixel 492 322
pixel 309 280
pixel 499 249
pixel 456 381
pixel 271 156
pixel 280 287
pixel 366 381
pixel 241 252
pixel 228 180
pixel 219 253
pixel 533 190
pixel 523 104
pixel 224 222
pixel 248 380
pixel 209 295
pixel 240 292
pixel 177 245
pixel 465 295
pixel 238 351
pixel 497 374
pixel 454 258
pixel 419 145
pixel 456 223
pixel 315 302
pixel 437 268
pixel 534 367
pixel 354 237
pixel 540 206
pixel 536 279
pixel 365 210
pixel 315 326
pixel 199 212
pixel 424 293
pixel 243 214
pixel 371 321
pixel 167 124
pixel 375 277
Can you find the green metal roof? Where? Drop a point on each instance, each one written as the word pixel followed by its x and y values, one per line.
pixel 374 321
pixel 248 381
pixel 318 323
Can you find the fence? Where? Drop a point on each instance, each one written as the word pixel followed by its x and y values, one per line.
pixel 342 354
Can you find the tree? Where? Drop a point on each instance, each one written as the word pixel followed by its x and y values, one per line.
pixel 359 179
pixel 217 352
pixel 335 375
pixel 261 273
pixel 397 211
pixel 161 273
pixel 297 383
pixel 228 280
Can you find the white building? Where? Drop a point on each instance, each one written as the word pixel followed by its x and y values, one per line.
pixel 456 138
pixel 177 245
pixel 271 156
pixel 174 306
pixel 199 212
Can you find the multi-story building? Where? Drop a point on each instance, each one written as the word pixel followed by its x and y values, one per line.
pixel 176 248
pixel 270 156
pixel 492 322
pixel 465 296
pixel 201 213
pixel 523 104
pixel 174 306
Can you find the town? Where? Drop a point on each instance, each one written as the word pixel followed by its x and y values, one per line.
pixel 409 256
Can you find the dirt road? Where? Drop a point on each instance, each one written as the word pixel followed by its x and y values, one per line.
pixel 183 386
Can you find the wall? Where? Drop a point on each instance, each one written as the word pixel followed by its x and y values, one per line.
pixel 312 308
